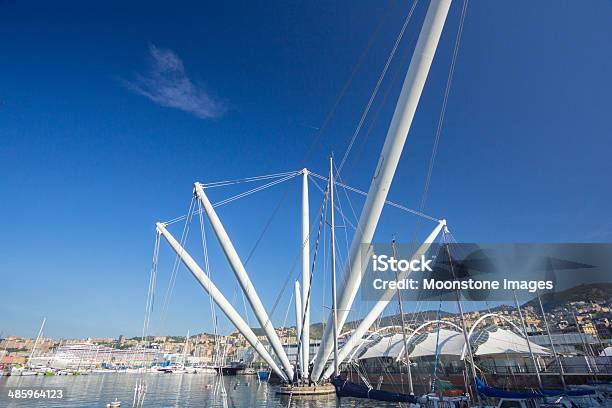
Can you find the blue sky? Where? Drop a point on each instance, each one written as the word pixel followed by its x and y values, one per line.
pixel 110 111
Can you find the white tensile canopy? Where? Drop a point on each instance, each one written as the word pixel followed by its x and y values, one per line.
pixel 450 343
pixel 607 352
pixel 503 341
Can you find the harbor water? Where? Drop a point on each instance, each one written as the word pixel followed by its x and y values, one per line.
pixel 163 390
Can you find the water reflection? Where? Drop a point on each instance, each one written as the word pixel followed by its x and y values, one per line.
pixel 165 390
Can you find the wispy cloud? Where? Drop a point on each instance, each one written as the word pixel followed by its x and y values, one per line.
pixel 167 84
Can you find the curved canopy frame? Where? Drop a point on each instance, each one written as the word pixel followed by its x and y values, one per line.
pixel 377 331
pixel 485 316
pixel 416 331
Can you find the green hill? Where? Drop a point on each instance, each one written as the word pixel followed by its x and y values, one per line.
pixel 591 292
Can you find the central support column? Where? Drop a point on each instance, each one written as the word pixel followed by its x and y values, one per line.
pixel 305 276
pixel 385 170
pixel 220 300
pixel 298 323
pixel 244 280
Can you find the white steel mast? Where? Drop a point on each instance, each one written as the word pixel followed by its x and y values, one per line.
pixel 220 300
pixel 385 170
pixel 332 227
pixel 244 280
pixel 305 275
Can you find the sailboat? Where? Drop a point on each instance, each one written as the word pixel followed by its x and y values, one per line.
pixel 178 367
pixel 27 369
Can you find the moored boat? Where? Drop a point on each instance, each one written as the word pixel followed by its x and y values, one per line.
pixel 263 375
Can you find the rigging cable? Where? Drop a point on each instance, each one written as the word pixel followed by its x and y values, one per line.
pixel 291 271
pixel 324 125
pixel 240 195
pixel 151 290
pixel 378 83
pixel 175 267
pixel 324 192
pixel 388 202
pixel 254 190
pixel 213 311
pixel 314 260
pixel 449 81
pixel 346 86
pixel 245 180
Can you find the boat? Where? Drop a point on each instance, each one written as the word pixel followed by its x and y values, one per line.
pixel 229 369
pixel 114 404
pixel 19 370
pixel 571 397
pixel 345 388
pixel 27 370
pixel 263 375
pixel 204 369
pixel 233 368
pixel 249 371
pixel 173 369
pixel 493 392
pixel 440 401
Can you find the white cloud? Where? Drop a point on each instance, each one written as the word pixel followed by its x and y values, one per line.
pixel 168 85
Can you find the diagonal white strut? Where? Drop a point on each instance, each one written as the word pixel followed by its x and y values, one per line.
pixel 220 300
pixel 385 170
pixel 382 303
pixel 305 275
pixel 244 280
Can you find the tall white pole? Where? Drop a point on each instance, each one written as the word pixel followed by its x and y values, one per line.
pixel 244 280
pixel 524 327
pixel 332 227
pixel 385 170
pixel 305 275
pixel 29 363
pixel 299 309
pixel 380 306
pixel 220 300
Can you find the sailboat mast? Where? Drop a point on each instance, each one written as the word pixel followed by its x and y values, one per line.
pixel 29 364
pixel 552 345
pixel 401 310
pixel 185 349
pixel 463 325
pixel 533 359
pixel 333 264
